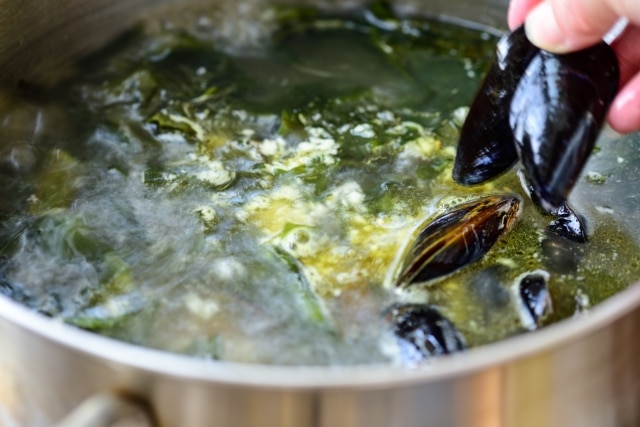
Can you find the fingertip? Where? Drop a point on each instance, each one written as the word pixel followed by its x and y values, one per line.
pixel 624 114
pixel 543 30
pixel 557 28
pixel 518 10
pixel 512 22
pixel 514 17
pixel 621 126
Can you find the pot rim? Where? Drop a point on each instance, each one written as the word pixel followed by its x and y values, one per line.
pixel 158 362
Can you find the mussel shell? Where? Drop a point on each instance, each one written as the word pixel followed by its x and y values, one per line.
pixel 532 292
pixel 485 148
pixel 458 238
pixel 556 114
pixel 569 224
pixel 422 332
pixel 566 222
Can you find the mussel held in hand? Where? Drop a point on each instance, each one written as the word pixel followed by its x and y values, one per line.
pixel 544 108
pixel 485 147
pixel 556 114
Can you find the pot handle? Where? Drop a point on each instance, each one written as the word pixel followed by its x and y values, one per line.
pixel 106 409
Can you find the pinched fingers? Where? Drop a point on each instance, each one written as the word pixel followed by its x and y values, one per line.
pixel 567 25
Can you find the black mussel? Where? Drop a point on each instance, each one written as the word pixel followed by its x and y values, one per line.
pixel 486 147
pixel 532 295
pixel 422 332
pixel 556 114
pixel 457 238
pixel 566 222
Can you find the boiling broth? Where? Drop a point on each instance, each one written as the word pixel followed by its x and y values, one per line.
pixel 250 204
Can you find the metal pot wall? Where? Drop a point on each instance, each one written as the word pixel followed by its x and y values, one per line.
pixel 581 372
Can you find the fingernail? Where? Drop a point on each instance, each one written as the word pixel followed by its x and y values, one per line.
pixel 542 29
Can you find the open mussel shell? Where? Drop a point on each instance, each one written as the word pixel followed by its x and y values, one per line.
pixel 556 114
pixel 422 332
pixel 457 238
pixel 485 147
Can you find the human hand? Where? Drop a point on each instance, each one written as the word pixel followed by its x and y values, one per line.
pixel 566 25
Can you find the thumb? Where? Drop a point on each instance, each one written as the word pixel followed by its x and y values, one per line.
pixel 567 25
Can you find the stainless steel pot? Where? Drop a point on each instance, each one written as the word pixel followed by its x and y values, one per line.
pixel 581 372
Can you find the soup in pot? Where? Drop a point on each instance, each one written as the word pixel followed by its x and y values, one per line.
pixel 257 203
